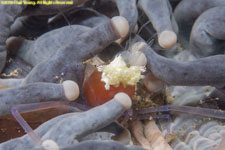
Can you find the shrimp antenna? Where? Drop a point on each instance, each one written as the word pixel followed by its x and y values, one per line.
pixel 64 16
pixel 145 24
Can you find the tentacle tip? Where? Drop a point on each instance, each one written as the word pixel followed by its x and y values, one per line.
pixel 121 25
pixel 124 100
pixel 14 43
pixel 50 145
pixel 71 90
pixel 167 39
pixel 153 85
pixel 138 46
pixel 138 59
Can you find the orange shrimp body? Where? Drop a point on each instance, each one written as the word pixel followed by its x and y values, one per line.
pixel 96 94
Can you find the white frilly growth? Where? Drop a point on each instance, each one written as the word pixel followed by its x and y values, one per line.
pixel 118 72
